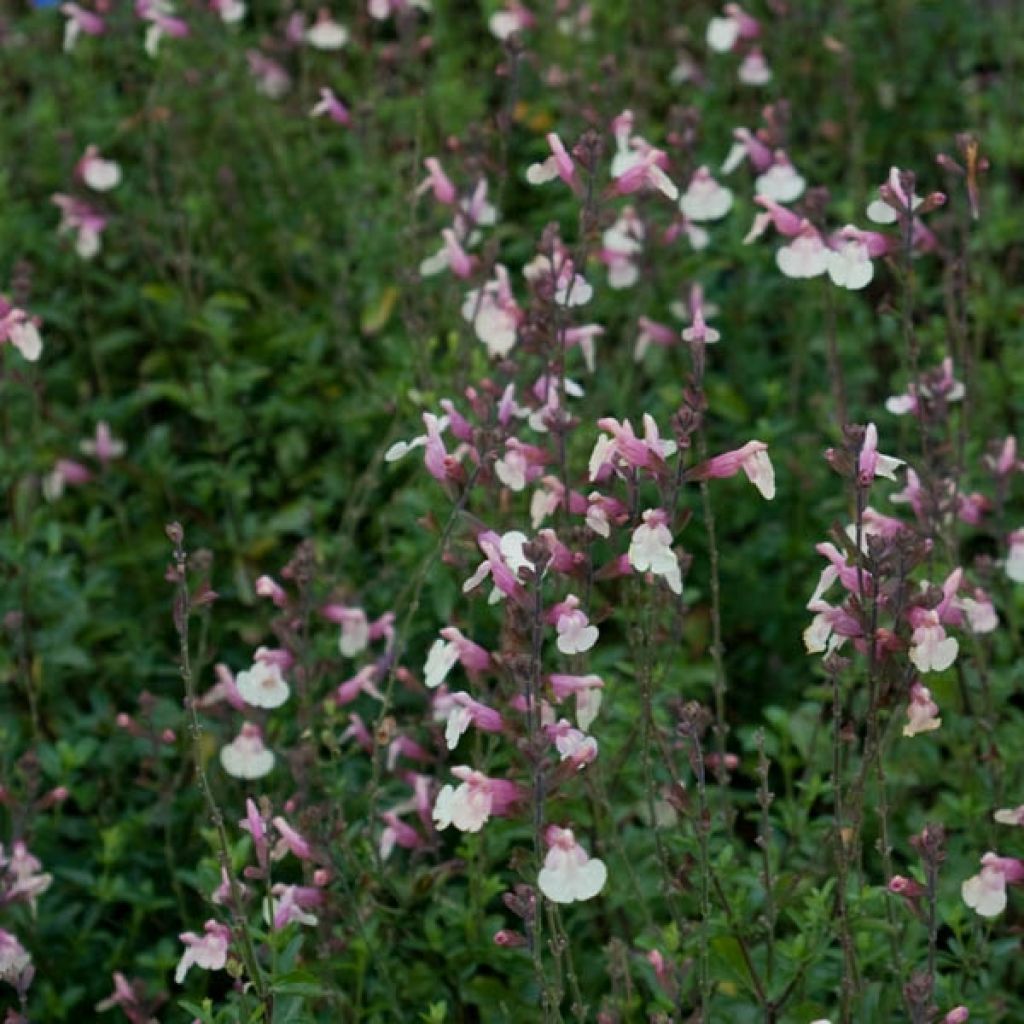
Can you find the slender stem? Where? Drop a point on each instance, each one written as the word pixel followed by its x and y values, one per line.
pixel 182 612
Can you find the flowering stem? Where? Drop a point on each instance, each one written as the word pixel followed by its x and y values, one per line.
pixel 182 612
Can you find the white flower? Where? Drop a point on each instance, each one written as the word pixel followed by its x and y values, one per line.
pixel 440 661
pixel 327 34
pixel 1010 815
pixel 263 685
pixel 245 757
pixel 722 34
pixel 650 550
pixel 806 256
pixel 511 470
pixel 1014 558
pixel 850 266
pixel 569 875
pixel 101 175
pixel 467 807
pixel 781 182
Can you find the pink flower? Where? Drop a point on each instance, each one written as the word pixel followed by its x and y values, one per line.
pixel 558 165
pixel 494 313
pixel 209 951
pixel 21 878
pixel 271 78
pixel 651 332
pixel 290 841
pixel 754 69
pixel 104 447
pixel 290 904
pixel 161 23
pixel 985 892
pixel 267 586
pixel 588 695
pixel 437 182
pixel 922 712
pixel 80 22
pixel 752 458
pixel 569 875
pixel 958 1015
pixel 451 647
pixel 871 463
pixel 330 106
pixel 466 712
pixel 725 32
pixel 66 472
pixel 364 681
pixel 254 824
pixel 780 181
pixel 397 833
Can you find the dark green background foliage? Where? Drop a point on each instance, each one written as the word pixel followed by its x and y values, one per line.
pixel 255 330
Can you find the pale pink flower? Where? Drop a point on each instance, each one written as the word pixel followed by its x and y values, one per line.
pixel 469 805
pixel 569 875
pixel 209 951
pixel 397 833
pixel 780 181
pixel 245 757
pixel 231 12
pixel 849 259
pixel 575 633
pixel 97 173
pixel 437 182
pixel 958 1015
pixel 21 330
pixel 291 904
pixel 15 962
pixel 922 711
pixel 985 892
pixel 21 878
pixel 494 313
pixel 573 745
pixel 79 218
pixel 1014 565
pixel 651 332
pixel 272 80
pixel 650 550
pixel 705 199
pixel 364 681
pixel 514 19
pixel 326 33
pixel 806 256
pixel 754 70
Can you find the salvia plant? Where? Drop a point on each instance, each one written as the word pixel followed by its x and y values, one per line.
pixel 512 513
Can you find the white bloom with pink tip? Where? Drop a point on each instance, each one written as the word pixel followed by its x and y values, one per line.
pixel 569 875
